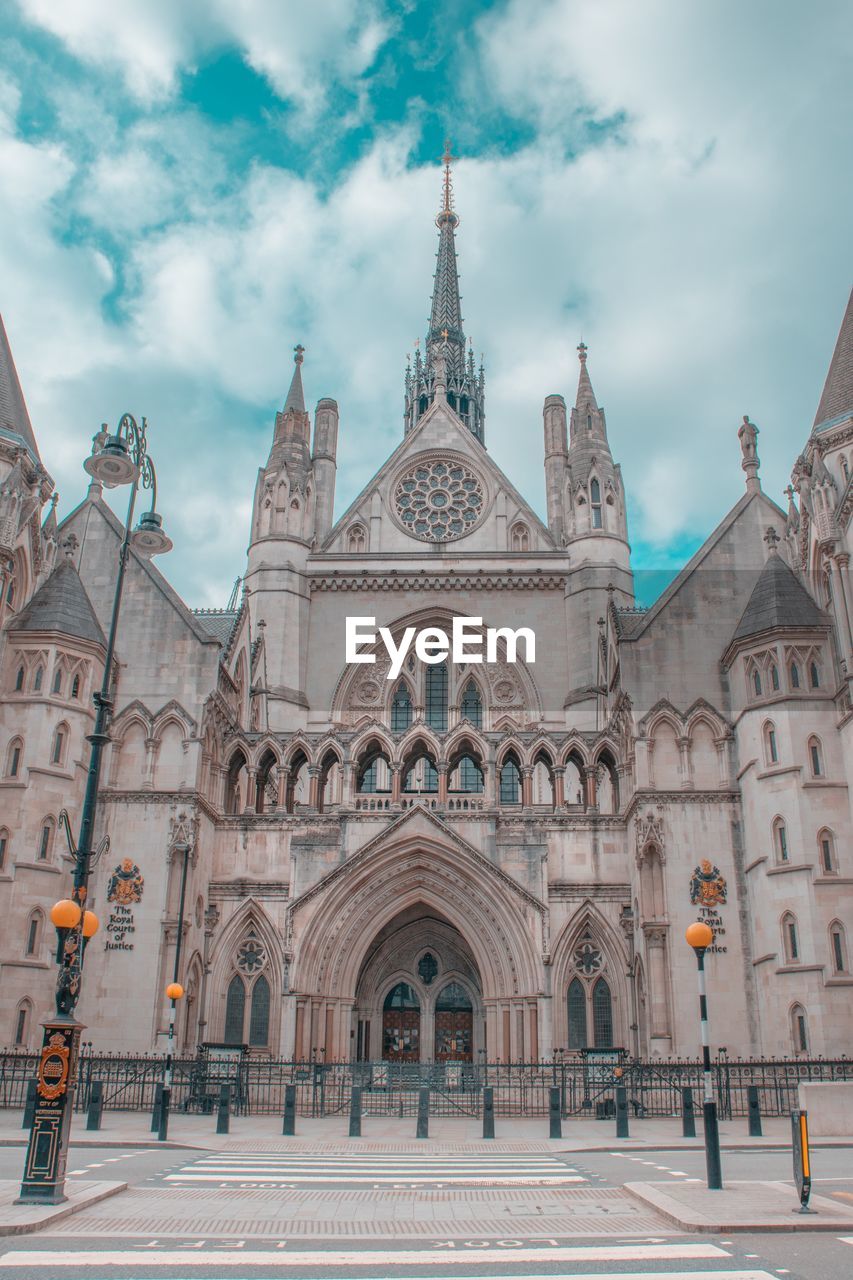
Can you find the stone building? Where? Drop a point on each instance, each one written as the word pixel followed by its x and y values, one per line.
pixel 498 856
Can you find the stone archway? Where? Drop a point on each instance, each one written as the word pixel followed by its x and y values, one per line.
pixel 416 968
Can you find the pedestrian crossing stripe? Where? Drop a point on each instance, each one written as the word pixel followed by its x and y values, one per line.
pixel 462 1170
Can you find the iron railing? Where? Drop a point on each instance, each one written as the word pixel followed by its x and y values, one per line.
pixel 391 1088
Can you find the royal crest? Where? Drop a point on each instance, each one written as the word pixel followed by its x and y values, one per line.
pixel 126 883
pixel 53 1068
pixel 707 886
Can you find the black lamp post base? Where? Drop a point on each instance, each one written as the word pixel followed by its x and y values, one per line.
pixel 47 1150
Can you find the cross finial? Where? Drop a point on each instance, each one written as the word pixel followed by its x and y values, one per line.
pixel 298 353
pixel 582 349
pixel 771 537
pixel 447 194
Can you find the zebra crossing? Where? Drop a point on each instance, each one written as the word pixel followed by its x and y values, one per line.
pixel 403 1170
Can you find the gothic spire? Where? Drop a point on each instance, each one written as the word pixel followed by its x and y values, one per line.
pixel 14 418
pixel 585 399
pixel 445 370
pixel 295 396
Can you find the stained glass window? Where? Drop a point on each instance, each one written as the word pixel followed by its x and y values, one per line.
pixel 510 781
pixel 235 1008
pixel 576 1001
pixel 401 709
pixel 436 697
pixel 259 1017
pixel 602 1015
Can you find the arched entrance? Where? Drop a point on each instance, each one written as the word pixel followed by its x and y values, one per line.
pixel 419 993
pixel 401 1025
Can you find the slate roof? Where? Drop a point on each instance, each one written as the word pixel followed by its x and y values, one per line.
pixel 218 623
pixel 13 408
pixel 61 604
pixel 778 599
pixel 836 400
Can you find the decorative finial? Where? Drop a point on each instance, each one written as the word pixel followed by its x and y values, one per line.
pixel 299 351
pixel 582 349
pixel 447 213
pixel 772 539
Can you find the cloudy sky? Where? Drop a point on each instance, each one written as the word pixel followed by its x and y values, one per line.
pixel 189 189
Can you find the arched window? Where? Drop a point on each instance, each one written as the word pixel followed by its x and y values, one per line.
pixel 795 676
pixel 401 708
pixel 472 705
pixel 23 1014
pixel 576 1007
pixel 75 687
pixel 13 758
pixel 780 839
pixel 774 677
pixel 259 1015
pixel 10 593
pixel 60 738
pixel 297 790
pixel 542 781
pixel 756 682
pixel 4 847
pixel 374 770
pixel 799 1029
pixel 520 537
pixel 790 938
pixel 19 680
pixel 838 947
pixel 45 845
pixel 771 751
pixel 38 678
pixel 34 927
pixel 826 847
pixel 235 1009
pixel 595 503
pixel 602 1015
pixel 436 696
pixel 814 675
pixel 510 782
pixel 356 540
pixel 57 681
pixel 815 757
pixel 236 783
pixel 420 776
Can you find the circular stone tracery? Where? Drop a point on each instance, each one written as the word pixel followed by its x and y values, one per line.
pixel 438 501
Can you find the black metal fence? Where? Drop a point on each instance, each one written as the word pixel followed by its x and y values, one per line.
pixel 391 1088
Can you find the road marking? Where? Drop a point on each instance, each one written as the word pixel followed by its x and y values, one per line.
pixel 33 1259
pixel 410 1179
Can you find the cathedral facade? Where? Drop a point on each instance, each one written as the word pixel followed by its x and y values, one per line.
pixel 462 858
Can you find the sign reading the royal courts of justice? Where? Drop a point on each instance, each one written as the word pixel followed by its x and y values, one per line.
pixel 124 891
pixel 708 892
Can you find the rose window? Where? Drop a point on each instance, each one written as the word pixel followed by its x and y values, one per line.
pixel 588 958
pixel 251 956
pixel 438 501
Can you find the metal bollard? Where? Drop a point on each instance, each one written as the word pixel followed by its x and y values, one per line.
pixel 555 1120
pixel 163 1119
pixel 30 1104
pixel 802 1158
pixel 96 1105
pixel 288 1127
pixel 223 1115
pixel 423 1114
pixel 688 1115
pixel 355 1112
pixel 754 1107
pixel 488 1112
pixel 158 1102
pixel 621 1111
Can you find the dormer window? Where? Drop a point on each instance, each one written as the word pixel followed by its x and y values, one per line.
pixel 774 677
pixel 795 676
pixel 756 682
pixel 814 675
pixel 39 676
pixel 57 681
pixel 19 680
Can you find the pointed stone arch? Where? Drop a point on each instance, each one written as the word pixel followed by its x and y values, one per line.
pixel 249 920
pixel 589 931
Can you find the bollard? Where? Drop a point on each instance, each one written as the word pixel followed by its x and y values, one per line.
pixel 621 1111
pixel 30 1104
pixel 555 1120
pixel 488 1112
pixel 163 1120
pixel 423 1114
pixel 96 1105
pixel 754 1111
pixel 223 1115
pixel 802 1159
pixel 688 1115
pixel 355 1112
pixel 158 1102
pixel 288 1127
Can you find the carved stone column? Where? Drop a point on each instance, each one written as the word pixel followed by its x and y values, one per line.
pixel 251 805
pixel 723 761
pixel 590 780
pixel 397 781
pixel 313 786
pixel 685 764
pixel 839 567
pixel 151 749
pixel 559 787
pixel 660 1025
pixel 442 771
pixel 526 786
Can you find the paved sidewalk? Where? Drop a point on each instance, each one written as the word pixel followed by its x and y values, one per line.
pixel 381 1133
pixel 17 1219
pixel 740 1206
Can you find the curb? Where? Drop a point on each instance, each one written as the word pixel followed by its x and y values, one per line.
pixel 55 1213
pixel 691 1220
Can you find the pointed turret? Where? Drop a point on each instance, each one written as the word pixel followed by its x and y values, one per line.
pixel 293 429
pixel 778 601
pixel 62 605
pixel 836 401
pixel 447 371
pixel 295 396
pixel 596 496
pixel 14 418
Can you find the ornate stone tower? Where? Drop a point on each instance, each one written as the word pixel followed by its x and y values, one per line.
pixel 446 366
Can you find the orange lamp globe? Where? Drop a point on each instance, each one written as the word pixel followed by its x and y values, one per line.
pixel 91 924
pixel 699 935
pixel 174 991
pixel 65 914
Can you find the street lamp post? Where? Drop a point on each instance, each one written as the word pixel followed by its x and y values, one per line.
pixel 118 459
pixel 175 992
pixel 700 936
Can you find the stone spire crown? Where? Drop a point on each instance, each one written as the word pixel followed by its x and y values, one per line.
pixel 293 428
pixel 836 401
pixel 588 425
pixel 446 371
pixel 14 418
